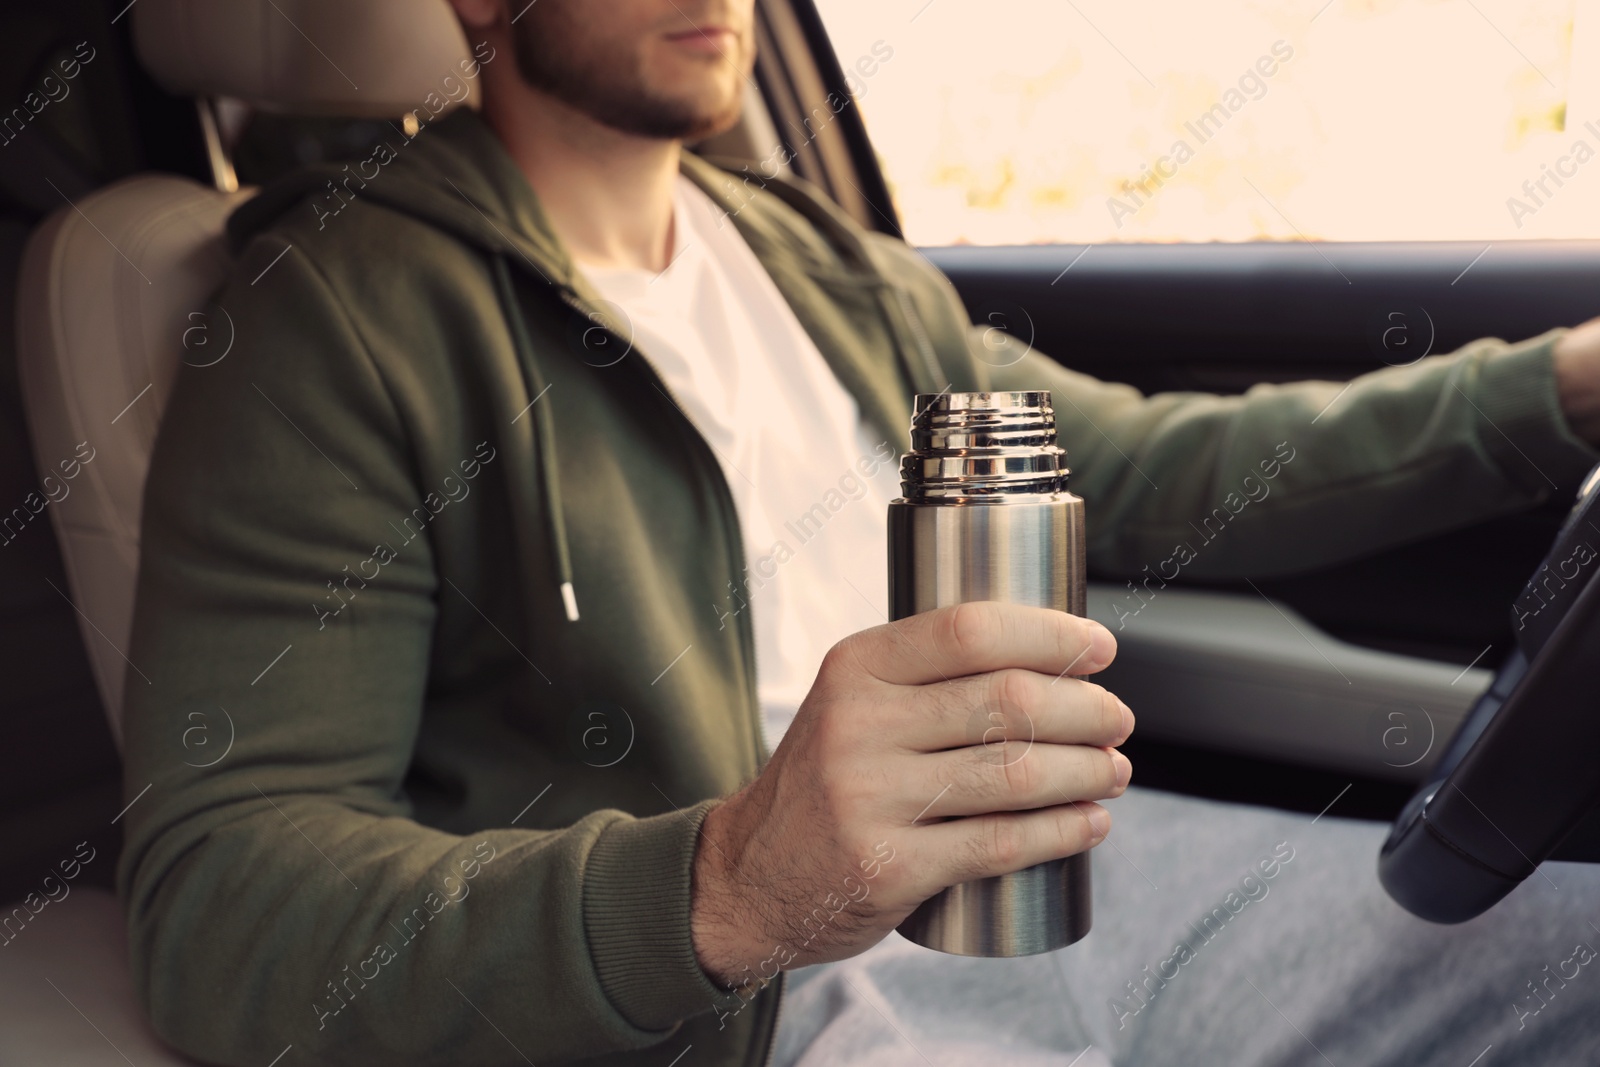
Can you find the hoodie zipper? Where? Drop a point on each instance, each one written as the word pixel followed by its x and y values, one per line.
pixel 725 499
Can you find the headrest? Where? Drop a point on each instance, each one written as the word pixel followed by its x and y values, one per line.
pixel 377 59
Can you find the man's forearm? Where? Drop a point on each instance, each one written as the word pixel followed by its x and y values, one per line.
pixel 1393 456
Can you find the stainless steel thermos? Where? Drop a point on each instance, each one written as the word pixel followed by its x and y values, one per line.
pixel 986 515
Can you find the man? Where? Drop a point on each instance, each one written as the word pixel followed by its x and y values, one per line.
pixel 476 535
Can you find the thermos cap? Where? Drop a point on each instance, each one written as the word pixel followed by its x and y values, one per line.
pixel 982 448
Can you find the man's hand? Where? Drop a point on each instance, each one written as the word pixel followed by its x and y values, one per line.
pixel 945 747
pixel 1577 364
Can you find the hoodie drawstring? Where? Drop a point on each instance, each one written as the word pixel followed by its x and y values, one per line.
pixel 544 436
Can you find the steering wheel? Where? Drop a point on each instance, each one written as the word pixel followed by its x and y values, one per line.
pixel 1521 775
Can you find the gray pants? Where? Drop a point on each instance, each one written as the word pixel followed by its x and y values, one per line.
pixel 1209 947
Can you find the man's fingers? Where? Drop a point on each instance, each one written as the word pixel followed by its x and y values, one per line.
pixel 1017 776
pixel 979 637
pixel 1012 705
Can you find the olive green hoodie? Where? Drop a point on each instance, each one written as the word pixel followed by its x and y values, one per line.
pixel 436 673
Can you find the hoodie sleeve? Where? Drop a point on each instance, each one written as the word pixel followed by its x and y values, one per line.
pixel 1288 478
pixel 278 893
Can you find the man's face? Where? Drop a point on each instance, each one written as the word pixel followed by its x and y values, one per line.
pixel 654 68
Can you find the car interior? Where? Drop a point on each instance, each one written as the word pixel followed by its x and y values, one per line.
pixel 1361 688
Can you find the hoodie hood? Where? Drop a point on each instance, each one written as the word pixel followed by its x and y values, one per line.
pixel 453 174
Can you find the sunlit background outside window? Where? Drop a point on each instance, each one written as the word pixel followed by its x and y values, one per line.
pixel 1027 121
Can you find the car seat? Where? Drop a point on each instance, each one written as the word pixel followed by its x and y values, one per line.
pixel 113 296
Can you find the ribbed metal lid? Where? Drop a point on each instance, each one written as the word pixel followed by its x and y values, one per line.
pixel 978 446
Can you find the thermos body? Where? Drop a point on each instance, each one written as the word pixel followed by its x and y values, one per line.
pixel 986 516
pixel 1027 551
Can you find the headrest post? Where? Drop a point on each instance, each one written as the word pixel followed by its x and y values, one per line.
pixel 222 173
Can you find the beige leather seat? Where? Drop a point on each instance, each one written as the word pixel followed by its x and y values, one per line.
pixel 110 293
pixel 114 288
pixel 114 294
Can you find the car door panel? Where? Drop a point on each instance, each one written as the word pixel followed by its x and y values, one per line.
pixel 1243 673
pixel 1372 665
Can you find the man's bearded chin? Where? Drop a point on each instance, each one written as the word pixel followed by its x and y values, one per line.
pixel 613 92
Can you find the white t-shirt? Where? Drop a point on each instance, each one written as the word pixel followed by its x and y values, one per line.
pixel 810 479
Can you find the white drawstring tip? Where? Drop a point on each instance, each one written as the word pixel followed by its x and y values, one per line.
pixel 570 599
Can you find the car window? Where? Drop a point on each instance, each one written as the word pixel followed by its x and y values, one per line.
pixel 1094 120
